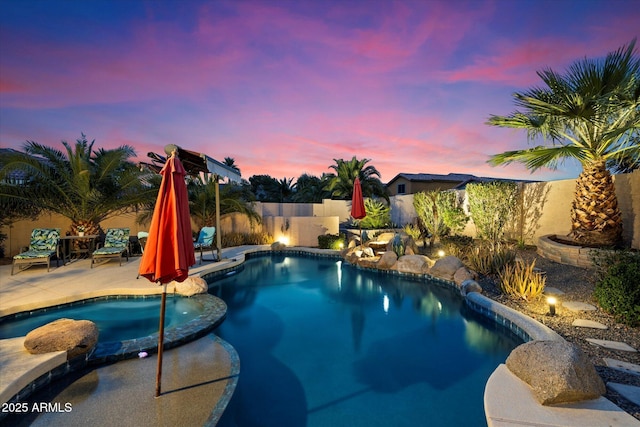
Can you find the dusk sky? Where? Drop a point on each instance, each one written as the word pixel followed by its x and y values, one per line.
pixel 284 87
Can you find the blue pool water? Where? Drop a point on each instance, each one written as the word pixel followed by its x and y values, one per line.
pixel 322 343
pixel 117 319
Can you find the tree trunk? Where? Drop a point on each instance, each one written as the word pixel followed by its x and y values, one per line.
pixel 595 216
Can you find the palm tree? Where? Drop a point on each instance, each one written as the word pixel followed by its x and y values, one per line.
pixel 233 198
pixel 85 185
pixel 310 189
pixel 340 184
pixel 284 190
pixel 591 114
pixel 229 161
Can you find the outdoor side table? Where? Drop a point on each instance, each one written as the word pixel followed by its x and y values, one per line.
pixel 68 251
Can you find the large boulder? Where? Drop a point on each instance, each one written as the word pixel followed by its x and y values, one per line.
pixel 278 246
pixel 387 260
pixel 417 264
pixel 557 371
pixel 462 274
pixel 469 286
pixel 190 286
pixel 76 337
pixel 445 268
pixel 385 237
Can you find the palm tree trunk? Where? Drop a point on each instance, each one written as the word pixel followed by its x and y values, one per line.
pixel 595 216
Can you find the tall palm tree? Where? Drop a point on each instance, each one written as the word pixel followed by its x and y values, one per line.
pixel 340 184
pixel 591 114
pixel 85 185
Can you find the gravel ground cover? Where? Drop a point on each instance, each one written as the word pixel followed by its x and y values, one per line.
pixel 578 285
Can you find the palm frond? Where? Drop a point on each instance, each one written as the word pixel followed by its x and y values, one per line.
pixel 538 157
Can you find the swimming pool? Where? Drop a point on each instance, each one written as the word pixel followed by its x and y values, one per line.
pixel 118 318
pixel 322 343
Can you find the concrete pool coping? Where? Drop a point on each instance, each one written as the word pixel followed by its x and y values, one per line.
pixel 501 408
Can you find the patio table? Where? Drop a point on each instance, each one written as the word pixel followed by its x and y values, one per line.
pixel 67 250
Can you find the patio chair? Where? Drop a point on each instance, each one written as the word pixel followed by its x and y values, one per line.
pixel 205 241
pixel 142 241
pixel 116 243
pixel 44 243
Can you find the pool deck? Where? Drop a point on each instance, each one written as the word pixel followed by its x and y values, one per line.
pixel 127 387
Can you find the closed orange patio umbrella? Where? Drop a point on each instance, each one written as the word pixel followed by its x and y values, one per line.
pixel 357 204
pixel 169 251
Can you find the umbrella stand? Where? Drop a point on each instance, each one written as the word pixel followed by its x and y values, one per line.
pixel 163 303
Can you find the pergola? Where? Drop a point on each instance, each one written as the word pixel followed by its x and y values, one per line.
pixel 196 163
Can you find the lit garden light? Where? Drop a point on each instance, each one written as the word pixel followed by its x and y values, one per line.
pixel 440 253
pixel 552 301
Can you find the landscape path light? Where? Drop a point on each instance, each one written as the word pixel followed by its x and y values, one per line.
pixel 552 301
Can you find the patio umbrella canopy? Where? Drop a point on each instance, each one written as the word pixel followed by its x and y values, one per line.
pixel 169 250
pixel 357 203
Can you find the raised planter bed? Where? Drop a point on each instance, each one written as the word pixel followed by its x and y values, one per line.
pixel 563 253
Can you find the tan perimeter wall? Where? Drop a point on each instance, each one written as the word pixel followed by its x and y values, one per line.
pixel 546 207
pixel 546 211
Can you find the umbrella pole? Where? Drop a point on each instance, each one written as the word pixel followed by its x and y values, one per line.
pixel 163 303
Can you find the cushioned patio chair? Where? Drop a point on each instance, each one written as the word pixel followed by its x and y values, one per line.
pixel 205 241
pixel 116 243
pixel 43 245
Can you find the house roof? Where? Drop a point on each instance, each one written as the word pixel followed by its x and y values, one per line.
pixel 461 178
pixel 15 176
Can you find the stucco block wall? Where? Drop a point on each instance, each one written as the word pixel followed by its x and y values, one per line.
pixel 301 231
pixel 547 207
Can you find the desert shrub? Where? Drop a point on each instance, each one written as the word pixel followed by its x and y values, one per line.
pixel 491 205
pixel 378 215
pixel 521 280
pixel 258 238
pixel 457 245
pixel 412 231
pixel 617 287
pixel 239 239
pixel 332 241
pixel 232 239
pixel 489 258
pixel 440 213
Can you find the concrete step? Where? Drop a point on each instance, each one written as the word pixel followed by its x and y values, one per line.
pixel 578 306
pixel 583 323
pixel 612 345
pixel 629 392
pixel 629 368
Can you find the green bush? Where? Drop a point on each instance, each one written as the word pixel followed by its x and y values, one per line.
pixel 440 213
pixel 618 284
pixel 378 215
pixel 332 241
pixel 491 205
